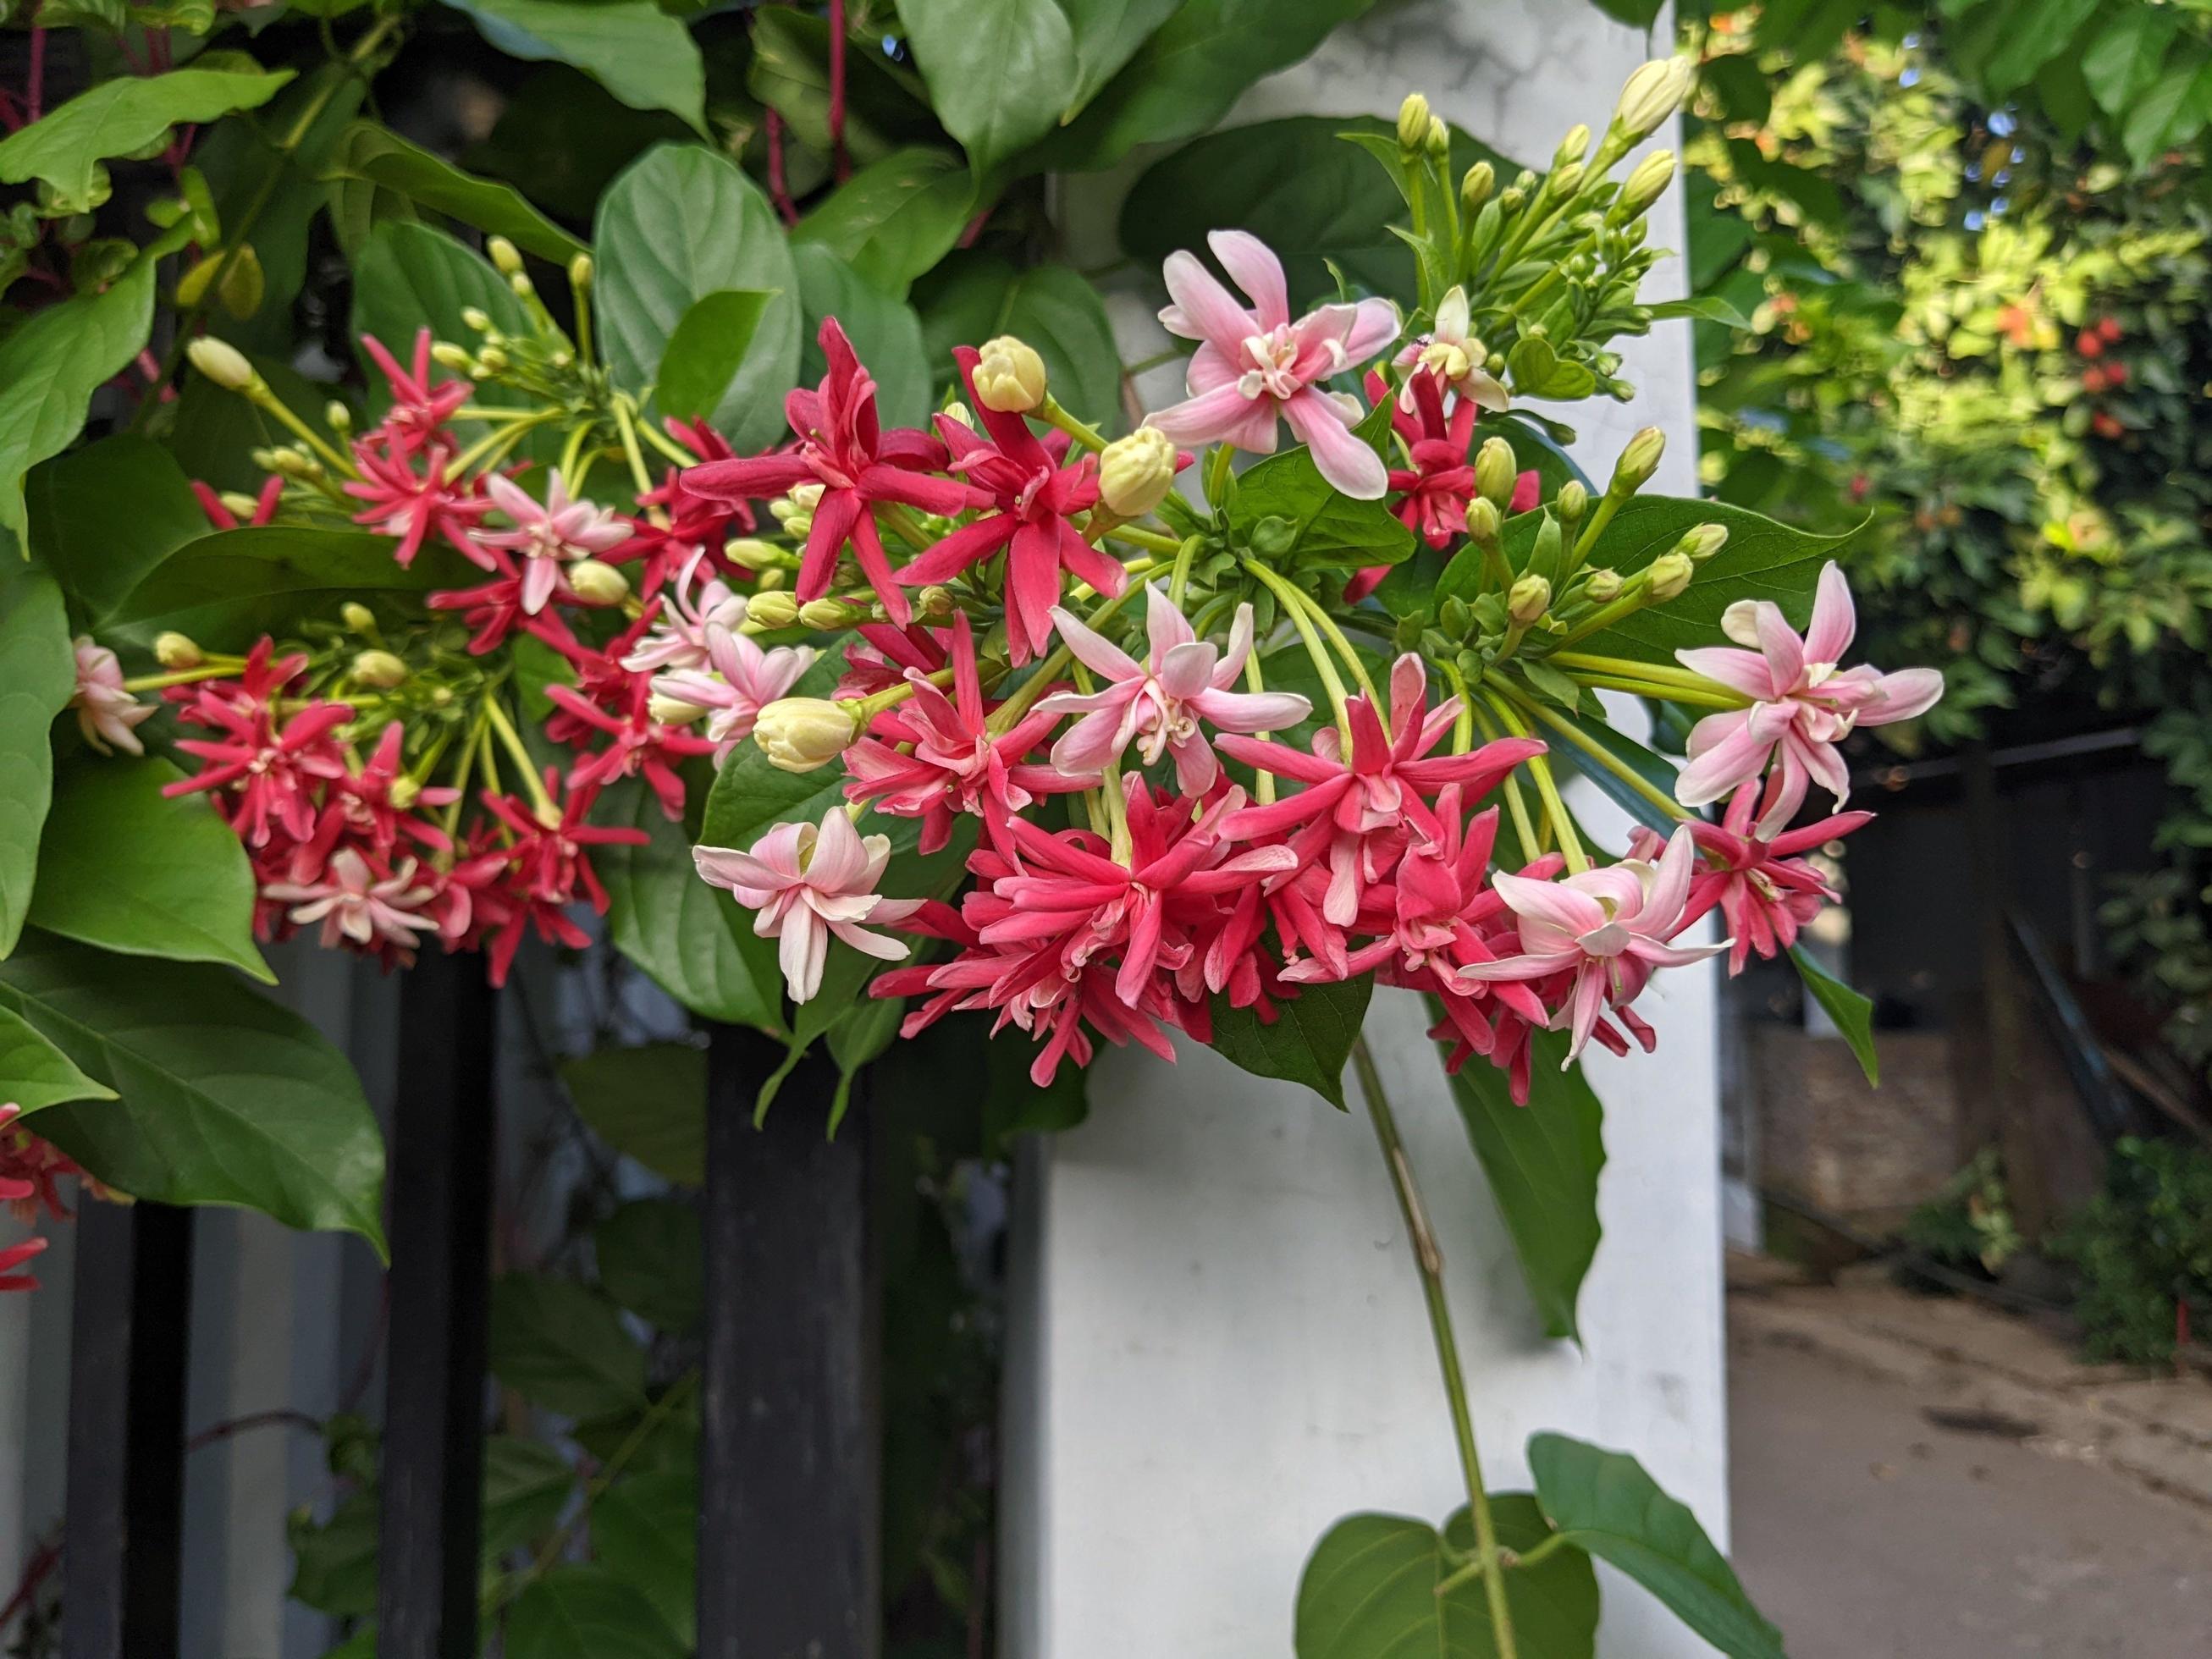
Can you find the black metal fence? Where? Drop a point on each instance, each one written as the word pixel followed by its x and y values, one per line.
pixel 789 1458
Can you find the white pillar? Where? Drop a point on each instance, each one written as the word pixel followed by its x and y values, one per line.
pixel 1218 1343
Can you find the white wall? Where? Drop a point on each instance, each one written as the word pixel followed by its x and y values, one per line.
pixel 1218 1341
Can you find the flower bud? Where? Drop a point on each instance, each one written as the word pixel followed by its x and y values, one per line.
pixel 671 711
pixel 1575 147
pixel 1454 617
pixel 1412 121
pixel 1572 503
pixel 521 284
pixel 1475 188
pixel 597 583
pixel 1639 460
pixel 959 411
pixel 828 616
pixel 798 735
pixel 379 670
pixel 1136 472
pixel 1568 179
pixel 1703 542
pixel 1009 376
pixel 1651 94
pixel 1483 521
pixel 580 272
pixel 223 363
pixel 1602 587
pixel 1647 184
pixel 337 417
pixel 1494 471
pixel 241 505
pixel 477 319
pixel 358 617
pixel 505 258
pixel 933 602
pixel 1512 199
pixel 448 356
pixel 1670 574
pixel 174 650
pixel 403 791
pixel 750 553
pixel 1529 599
pixel 490 361
pixel 772 611
pixel 1439 137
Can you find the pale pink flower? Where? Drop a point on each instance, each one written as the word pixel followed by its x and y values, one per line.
pixel 682 633
pixel 808 883
pixel 739 681
pixel 1252 366
pixel 105 711
pixel 1159 702
pixel 1802 704
pixel 550 534
pixel 1609 928
pixel 351 902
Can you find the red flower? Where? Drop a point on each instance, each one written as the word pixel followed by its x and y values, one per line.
pixel 264 504
pixel 1035 493
pixel 841 448
pixel 409 506
pixel 270 771
pixel 1764 890
pixel 419 409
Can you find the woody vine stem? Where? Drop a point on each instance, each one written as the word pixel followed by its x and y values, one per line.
pixel 1489 1562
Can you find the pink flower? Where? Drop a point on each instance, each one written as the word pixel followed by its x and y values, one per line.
pixel 105 711
pixel 808 883
pixel 221 516
pixel 418 409
pixel 688 622
pixel 408 506
pixel 1608 927
pixel 1159 702
pixel 1802 704
pixel 31 1169
pixel 1764 890
pixel 739 681
pixel 548 535
pixel 266 772
pixel 1252 366
pixel 352 901
pixel 1036 493
pixel 843 449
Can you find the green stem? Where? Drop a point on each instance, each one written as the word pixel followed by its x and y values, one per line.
pixel 1179 579
pixel 1658 689
pixel 1547 791
pixel 1327 624
pixel 511 740
pixel 1597 750
pixel 1263 783
pixel 1151 540
pixel 1052 414
pixel 1315 647
pixel 1523 825
pixel 1601 516
pixel 1430 1261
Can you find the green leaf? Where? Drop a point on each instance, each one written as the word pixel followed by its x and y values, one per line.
pixel 1310 1041
pixel 2035 32
pixel 562 1347
pixel 706 350
pixel 2172 110
pixel 334 1565
pixel 679 224
pixel 1852 1012
pixel 1604 1503
pixel 1657 772
pixel 695 944
pixel 972 297
pixel 37 676
pixel 34 1073
pixel 232 586
pixel 885 332
pixel 125 868
pixel 895 218
pixel 1328 529
pixel 409 277
pixel 884 104
pixel 575 1611
pixel 1014 1105
pixel 104 515
pixel 1701 307
pixel 648 1103
pixel 1371 1590
pixel 373 153
pixel 1001 72
pixel 561 138
pixel 225 1097
pixel 526 1485
pixel 49 366
pixel 1542 1161
pixel 645 1531
pixel 2124 56
pixel 119 116
pixel 637 52
pixel 1762 560
pixel 651 1261
pixel 1185 78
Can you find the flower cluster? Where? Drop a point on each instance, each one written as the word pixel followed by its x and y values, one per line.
pixel 31 1171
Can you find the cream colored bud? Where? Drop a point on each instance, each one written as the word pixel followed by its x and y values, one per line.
pixel 477 319
pixel 505 258
pixel 673 711
pixel 1009 376
pixel 771 611
pixel 448 356
pixel 774 577
pixel 403 791
pixel 1413 119
pixel 521 285
pixel 1495 472
pixel 1483 522
pixel 337 417
pixel 358 617
pixel 1572 501
pixel 1602 587
pixel 1136 472
pixel 827 616
pixel 241 505
pixel 174 650
pixel 798 735
pixel 1639 460
pixel 580 272
pixel 1439 137
pixel 1703 542
pixel 959 411
pixel 1529 599
pixel 223 363
pixel 1569 179
pixel 377 670
pixel 1575 147
pixel 296 464
pixel 490 361
pixel 597 583
pixel 1652 94
pixel 1670 574
pixel 1475 188
pixel 1647 184
pixel 935 602
pixel 750 553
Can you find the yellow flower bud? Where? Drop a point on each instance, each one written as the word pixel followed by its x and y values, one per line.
pixel 1639 460
pixel 477 319
pixel 597 583
pixel 448 355
pixel 1475 188
pixel 1009 376
pixel 1573 501
pixel 1602 587
pixel 337 417
pixel 936 602
pixel 798 735
pixel 673 711
pixel 1531 597
pixel 1703 542
pixel 580 272
pixel 377 670
pixel 1569 179
pixel 1439 137
pixel 404 793
pixel 1413 119
pixel 174 650
pixel 772 611
pixel 1670 574
pixel 827 616
pixel 750 553
pixel 358 617
pixel 223 363
pixel 1651 94
pixel 241 505
pixel 504 256
pixel 1647 184
pixel 1495 471
pixel 1136 472
pixel 1575 147
pixel 1483 522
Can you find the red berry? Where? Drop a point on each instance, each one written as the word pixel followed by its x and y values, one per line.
pixel 2109 327
pixel 2092 379
pixel 2089 344
pixel 2116 373
pixel 2104 426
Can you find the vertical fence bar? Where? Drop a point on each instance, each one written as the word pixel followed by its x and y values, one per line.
pixel 123 1533
pixel 439 1231
pixel 790 1455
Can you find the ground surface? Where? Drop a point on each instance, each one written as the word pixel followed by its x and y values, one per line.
pixel 1903 1486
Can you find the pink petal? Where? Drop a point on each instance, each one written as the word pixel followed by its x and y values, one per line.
pixel 801 948
pixel 1726 751
pixel 1834 621
pixel 1186 669
pixel 1902 695
pixel 1094 651
pixel 1224 414
pixel 1252 711
pixel 1778 643
pixel 1374 325
pixel 1563 907
pixel 1253 266
pixel 1203 306
pixel 839 864
pixel 1165 627
pixel 1345 461
pixel 1740 670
